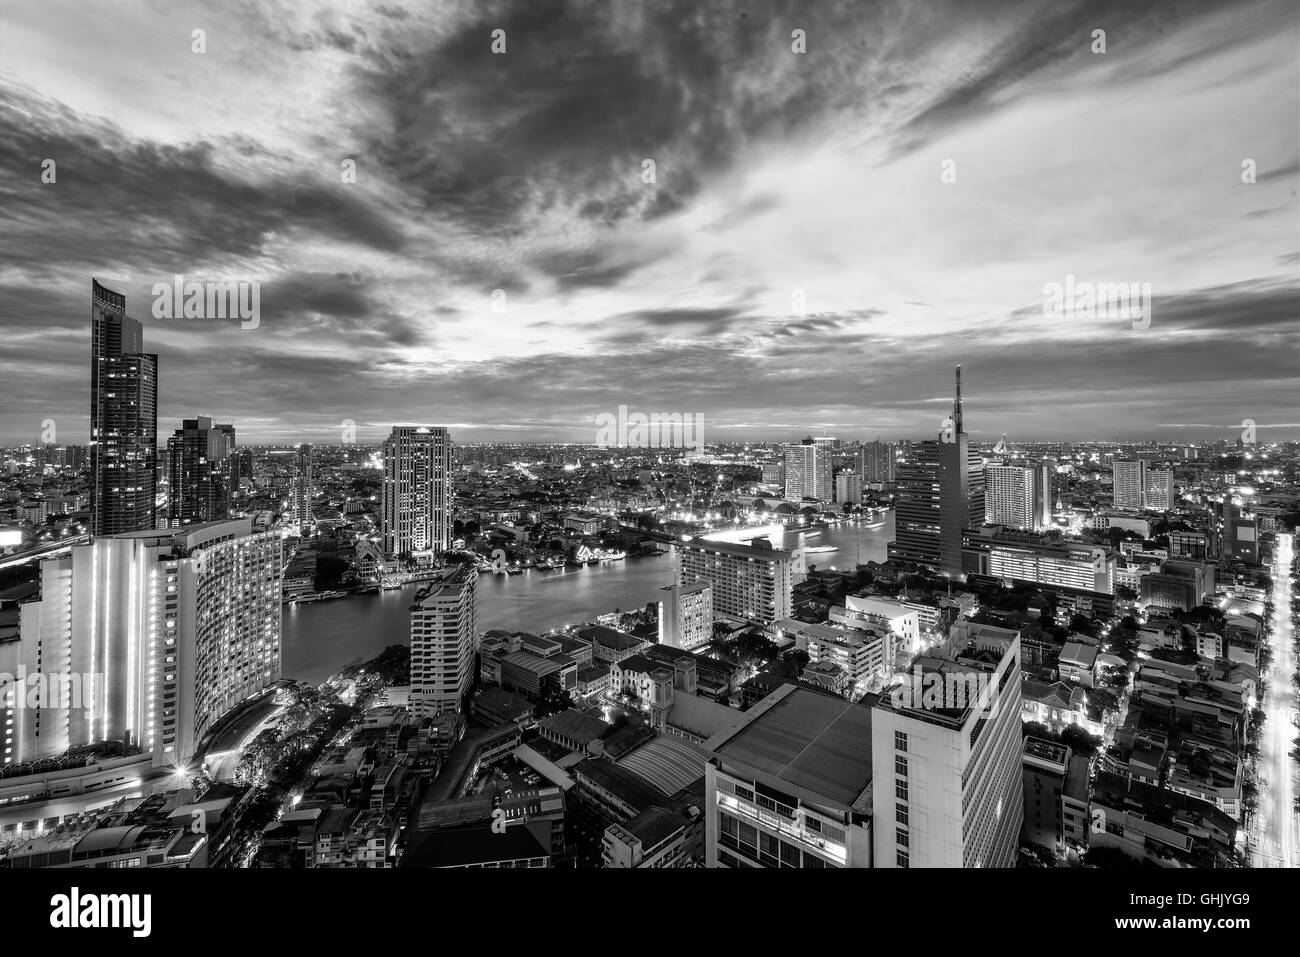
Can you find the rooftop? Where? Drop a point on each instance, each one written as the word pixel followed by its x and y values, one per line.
pixel 813 741
pixel 575 725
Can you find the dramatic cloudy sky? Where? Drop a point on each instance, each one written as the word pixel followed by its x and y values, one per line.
pixel 776 175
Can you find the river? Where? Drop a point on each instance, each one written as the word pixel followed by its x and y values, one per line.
pixel 321 637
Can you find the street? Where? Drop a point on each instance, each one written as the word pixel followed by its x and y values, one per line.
pixel 1277 825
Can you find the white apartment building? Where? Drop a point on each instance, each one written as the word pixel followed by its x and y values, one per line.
pixel 904 621
pixel 1009 497
pixel 443 635
pixel 1129 483
pixel 686 615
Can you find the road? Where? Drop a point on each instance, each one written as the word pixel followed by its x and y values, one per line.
pixel 1277 842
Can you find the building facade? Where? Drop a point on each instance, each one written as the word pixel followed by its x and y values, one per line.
pixel 123 419
pixel 417 493
pixel 149 638
pixel 443 636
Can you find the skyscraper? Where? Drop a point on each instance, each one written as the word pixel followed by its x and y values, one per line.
pixel 158 634
pixel 876 463
pixel 123 418
pixel 443 636
pixel 808 470
pixel 304 488
pixel 1044 488
pixel 200 470
pixel 417 495
pixel 940 493
pixel 1128 483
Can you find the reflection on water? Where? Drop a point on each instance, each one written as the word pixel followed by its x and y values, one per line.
pixel 321 637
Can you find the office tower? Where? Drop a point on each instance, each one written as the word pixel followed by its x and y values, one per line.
pixel 946 756
pixel 876 463
pixel 808 470
pixel 199 472
pixel 1158 490
pixel 749 582
pixel 123 419
pixel 848 487
pixel 686 616
pixel 417 490
pixel 304 489
pixel 443 636
pixel 788 784
pixel 160 633
pixel 1011 497
pixel 940 493
pixel 774 473
pixel 1128 483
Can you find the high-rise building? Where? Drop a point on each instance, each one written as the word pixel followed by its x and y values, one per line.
pixel 1044 489
pixel 1158 492
pixel 686 616
pixel 808 470
pixel 123 419
pixel 749 582
pixel 876 463
pixel 148 638
pixel 1009 497
pixel 417 495
pixel 443 635
pixel 200 471
pixel 848 487
pixel 940 493
pixel 304 489
pixel 1128 483
pixel 946 756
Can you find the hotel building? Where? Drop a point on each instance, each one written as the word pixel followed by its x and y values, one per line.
pixel 748 582
pixel 157 633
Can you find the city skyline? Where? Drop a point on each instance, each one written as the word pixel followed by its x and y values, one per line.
pixel 799 265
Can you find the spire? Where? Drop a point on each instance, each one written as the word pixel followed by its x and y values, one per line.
pixel 956 406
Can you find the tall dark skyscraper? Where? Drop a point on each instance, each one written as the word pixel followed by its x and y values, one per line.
pixel 940 493
pixel 123 419
pixel 200 472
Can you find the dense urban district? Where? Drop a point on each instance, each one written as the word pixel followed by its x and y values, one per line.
pixel 1065 654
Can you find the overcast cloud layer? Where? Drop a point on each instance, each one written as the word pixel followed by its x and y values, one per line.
pixel 779 176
